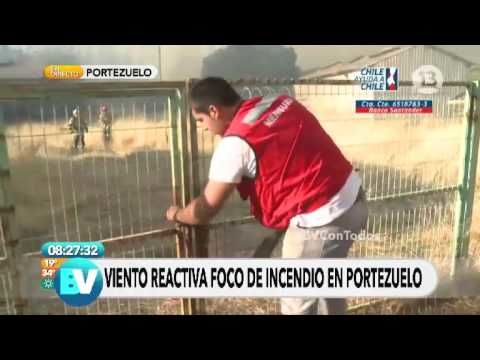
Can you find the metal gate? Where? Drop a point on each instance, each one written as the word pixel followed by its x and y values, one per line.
pixel 114 191
pixel 418 171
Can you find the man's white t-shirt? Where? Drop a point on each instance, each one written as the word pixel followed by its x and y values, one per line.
pixel 234 159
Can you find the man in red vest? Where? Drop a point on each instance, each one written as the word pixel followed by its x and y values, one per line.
pixel 277 155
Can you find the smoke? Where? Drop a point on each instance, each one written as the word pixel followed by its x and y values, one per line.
pixel 72 54
pixel 241 61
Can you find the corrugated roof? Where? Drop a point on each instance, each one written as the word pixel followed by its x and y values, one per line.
pixel 451 54
pixel 340 68
pixel 343 68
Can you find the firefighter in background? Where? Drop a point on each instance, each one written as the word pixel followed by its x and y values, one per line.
pixel 105 118
pixel 78 126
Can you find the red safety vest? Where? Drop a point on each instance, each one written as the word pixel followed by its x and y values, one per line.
pixel 299 167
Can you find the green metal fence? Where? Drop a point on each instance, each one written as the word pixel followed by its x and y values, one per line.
pixel 418 172
pixel 412 166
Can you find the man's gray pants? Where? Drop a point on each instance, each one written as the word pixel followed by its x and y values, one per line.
pixel 321 242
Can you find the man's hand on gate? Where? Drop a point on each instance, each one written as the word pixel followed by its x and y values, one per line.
pixel 203 208
pixel 172 213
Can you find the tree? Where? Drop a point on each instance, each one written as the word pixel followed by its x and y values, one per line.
pixel 57 55
pixel 247 61
pixel 7 55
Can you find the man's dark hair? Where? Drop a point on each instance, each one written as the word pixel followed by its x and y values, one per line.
pixel 212 91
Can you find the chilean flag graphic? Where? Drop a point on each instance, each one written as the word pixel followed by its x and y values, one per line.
pixel 392 79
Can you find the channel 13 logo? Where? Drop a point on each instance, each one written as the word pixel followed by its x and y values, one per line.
pixel 78 282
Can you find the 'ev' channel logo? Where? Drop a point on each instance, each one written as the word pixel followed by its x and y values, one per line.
pixel 78 282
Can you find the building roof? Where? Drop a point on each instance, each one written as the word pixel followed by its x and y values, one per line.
pixel 343 68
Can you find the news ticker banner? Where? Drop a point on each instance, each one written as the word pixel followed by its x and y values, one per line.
pixel 81 279
pixel 100 72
